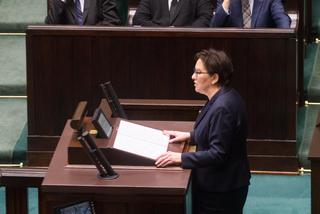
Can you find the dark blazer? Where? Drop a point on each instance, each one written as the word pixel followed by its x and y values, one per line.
pixel 95 12
pixel 265 14
pixel 220 163
pixel 195 13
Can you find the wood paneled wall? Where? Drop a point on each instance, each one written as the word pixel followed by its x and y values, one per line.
pixel 66 65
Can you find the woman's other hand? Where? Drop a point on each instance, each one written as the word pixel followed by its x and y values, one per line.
pixel 177 136
pixel 168 158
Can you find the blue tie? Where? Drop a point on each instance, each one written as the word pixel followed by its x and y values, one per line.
pixel 79 15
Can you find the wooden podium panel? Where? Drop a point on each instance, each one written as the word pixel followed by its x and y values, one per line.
pixel 138 189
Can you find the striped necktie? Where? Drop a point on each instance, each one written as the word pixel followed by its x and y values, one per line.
pixel 246 14
pixel 78 13
pixel 173 8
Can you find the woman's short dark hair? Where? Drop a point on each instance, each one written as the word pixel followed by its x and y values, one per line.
pixel 217 62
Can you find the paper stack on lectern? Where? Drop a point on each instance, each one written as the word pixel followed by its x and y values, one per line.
pixel 140 140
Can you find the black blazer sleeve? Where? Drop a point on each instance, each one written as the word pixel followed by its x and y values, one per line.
pixel 55 13
pixel 143 15
pixel 204 13
pixel 220 135
pixel 110 14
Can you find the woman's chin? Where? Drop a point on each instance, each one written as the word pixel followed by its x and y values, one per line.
pixel 196 89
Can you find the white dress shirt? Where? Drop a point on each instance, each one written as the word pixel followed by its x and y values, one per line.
pixel 82 4
pixel 251 5
pixel 169 3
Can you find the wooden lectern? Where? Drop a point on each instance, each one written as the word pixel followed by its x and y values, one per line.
pixel 140 187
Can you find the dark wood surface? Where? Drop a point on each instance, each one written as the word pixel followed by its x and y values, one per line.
pixel 309 31
pixel 291 5
pixel 163 189
pixel 66 64
pixel 152 109
pixel 314 157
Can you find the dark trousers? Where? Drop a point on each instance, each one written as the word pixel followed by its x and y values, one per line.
pixel 231 202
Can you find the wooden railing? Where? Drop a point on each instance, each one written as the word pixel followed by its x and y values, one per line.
pixel 16 182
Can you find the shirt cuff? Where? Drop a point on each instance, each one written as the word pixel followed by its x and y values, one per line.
pixel 227 12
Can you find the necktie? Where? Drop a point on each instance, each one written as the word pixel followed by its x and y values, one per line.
pixel 78 13
pixel 246 13
pixel 173 8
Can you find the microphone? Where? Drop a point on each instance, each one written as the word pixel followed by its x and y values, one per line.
pixel 97 157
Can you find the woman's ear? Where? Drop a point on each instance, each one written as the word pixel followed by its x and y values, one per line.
pixel 214 79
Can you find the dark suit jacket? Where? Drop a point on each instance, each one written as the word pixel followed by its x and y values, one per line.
pixel 265 14
pixel 96 12
pixel 220 163
pixel 195 13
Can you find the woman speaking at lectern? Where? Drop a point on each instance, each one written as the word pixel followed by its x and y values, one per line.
pixel 220 169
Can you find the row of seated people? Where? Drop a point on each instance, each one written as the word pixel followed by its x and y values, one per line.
pixel 177 13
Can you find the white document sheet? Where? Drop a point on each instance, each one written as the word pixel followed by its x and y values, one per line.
pixel 141 140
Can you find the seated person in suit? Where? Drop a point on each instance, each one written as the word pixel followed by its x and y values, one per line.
pixel 250 14
pixel 83 12
pixel 221 174
pixel 163 13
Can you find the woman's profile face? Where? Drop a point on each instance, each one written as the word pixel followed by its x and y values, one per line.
pixel 202 80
